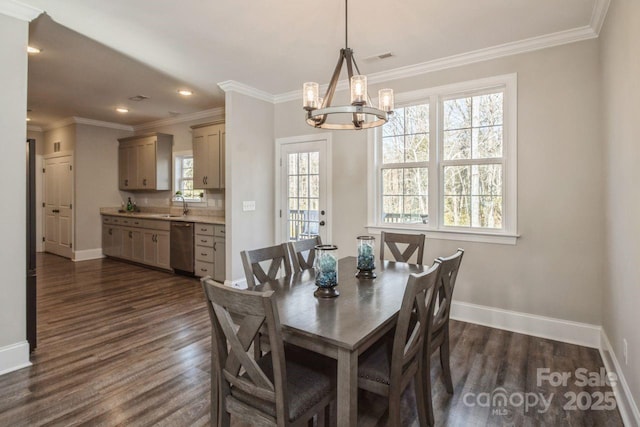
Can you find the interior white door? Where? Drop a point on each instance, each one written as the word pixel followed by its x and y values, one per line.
pixel 58 196
pixel 304 211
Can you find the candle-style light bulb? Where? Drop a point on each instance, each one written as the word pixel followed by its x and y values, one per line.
pixel 359 90
pixel 385 100
pixel 310 95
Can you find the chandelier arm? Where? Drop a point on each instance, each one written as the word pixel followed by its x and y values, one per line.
pixel 331 89
pixel 349 60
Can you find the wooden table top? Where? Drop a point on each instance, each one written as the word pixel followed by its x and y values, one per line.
pixel 364 306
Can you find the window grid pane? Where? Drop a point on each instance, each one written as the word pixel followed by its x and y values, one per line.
pixel 405 197
pixel 186 180
pixel 303 195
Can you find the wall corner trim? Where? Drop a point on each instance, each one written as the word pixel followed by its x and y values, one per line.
pixel 624 398
pixel 19 10
pixel 14 357
pixel 529 324
pixel 598 15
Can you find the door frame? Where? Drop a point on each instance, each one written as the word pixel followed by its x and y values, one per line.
pixel 73 199
pixel 323 138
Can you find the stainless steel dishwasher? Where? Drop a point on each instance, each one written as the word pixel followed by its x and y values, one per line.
pixel 182 247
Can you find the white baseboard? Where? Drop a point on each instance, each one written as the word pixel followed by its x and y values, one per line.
pixel 14 357
pixel 238 283
pixel 529 324
pixel 626 404
pixel 87 254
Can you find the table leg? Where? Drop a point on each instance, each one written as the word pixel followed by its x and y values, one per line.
pixel 347 388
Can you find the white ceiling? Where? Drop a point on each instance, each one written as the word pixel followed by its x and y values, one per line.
pixel 273 45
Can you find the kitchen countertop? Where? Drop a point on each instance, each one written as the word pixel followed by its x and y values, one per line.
pixel 205 219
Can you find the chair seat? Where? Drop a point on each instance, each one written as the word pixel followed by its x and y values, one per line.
pixel 306 386
pixel 374 365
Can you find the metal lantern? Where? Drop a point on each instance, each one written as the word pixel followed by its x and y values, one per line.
pixel 366 257
pixel 326 268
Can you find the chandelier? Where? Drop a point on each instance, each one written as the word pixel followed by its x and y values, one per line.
pixel 360 114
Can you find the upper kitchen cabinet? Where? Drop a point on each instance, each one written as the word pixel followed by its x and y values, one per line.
pixel 208 156
pixel 144 162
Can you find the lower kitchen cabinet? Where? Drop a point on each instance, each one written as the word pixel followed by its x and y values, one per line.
pixel 210 251
pixel 138 240
pixel 219 259
pixel 111 240
pixel 157 248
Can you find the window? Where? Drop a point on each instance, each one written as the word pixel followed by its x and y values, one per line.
pixel 184 178
pixel 446 162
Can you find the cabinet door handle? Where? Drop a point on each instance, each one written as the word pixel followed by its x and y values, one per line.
pixel 214 245
pixel 131 235
pixel 203 241
pixel 221 231
pixel 201 254
pixel 126 182
pixel 110 231
pixel 56 211
pixel 144 182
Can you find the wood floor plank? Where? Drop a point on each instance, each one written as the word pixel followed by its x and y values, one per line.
pixel 120 344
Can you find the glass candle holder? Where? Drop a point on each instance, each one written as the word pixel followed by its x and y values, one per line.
pixel 358 90
pixel 385 100
pixel 326 268
pixel 366 257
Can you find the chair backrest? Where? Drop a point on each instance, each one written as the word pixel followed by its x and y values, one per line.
pixel 299 249
pixel 449 268
pixel 231 342
pixel 419 299
pixel 414 242
pixel 279 257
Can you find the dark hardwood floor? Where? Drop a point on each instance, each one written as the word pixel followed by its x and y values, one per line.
pixel 124 345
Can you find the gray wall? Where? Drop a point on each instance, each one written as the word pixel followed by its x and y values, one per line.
pixel 96 181
pixel 250 156
pixel 620 44
pixel 13 107
pixel 556 269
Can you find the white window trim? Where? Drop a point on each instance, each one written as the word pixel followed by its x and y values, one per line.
pixel 435 229
pixel 175 156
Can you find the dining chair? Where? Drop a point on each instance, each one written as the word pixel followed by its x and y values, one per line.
pixel 439 338
pixel 298 250
pixel 283 388
pixel 278 256
pixel 389 377
pixel 414 242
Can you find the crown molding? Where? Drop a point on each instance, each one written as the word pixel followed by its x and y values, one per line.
pixel 480 55
pixel 34 128
pixel 18 10
pixel 213 113
pixel 90 122
pixel 234 86
pixel 99 123
pixel 599 13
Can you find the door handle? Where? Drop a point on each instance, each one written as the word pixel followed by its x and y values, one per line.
pixel 322 223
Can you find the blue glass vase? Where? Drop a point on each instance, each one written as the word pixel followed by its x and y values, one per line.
pixel 326 269
pixel 366 257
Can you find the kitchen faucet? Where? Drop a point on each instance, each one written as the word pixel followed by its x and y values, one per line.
pixel 185 208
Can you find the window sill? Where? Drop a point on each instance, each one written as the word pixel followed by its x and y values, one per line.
pixel 463 236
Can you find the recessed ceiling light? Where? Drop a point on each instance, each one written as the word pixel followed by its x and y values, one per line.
pixel 122 110
pixel 31 49
pixel 185 92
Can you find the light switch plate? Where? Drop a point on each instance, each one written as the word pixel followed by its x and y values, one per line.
pixel 249 205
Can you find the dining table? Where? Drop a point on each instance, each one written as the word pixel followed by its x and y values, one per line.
pixel 342 327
